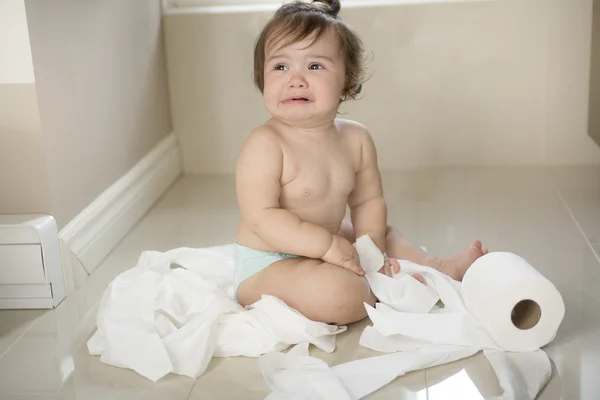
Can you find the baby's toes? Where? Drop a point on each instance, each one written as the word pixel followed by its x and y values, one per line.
pixel 419 277
pixel 395 265
pixel 386 270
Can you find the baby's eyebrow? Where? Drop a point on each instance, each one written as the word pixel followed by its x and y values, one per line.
pixel 309 56
pixel 277 57
pixel 322 57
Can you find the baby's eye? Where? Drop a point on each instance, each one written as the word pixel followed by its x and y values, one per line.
pixel 315 66
pixel 280 67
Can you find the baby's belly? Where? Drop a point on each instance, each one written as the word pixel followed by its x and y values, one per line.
pixel 327 214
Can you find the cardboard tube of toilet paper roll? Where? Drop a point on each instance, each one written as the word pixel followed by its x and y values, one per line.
pixel 519 307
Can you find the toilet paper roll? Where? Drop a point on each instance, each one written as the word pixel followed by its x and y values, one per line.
pixel 519 307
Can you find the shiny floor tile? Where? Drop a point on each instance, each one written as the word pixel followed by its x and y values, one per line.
pixel 471 378
pixel 409 386
pixel 520 213
pixel 13 324
pixel 474 379
pixel 509 209
pixel 52 360
pixel 580 189
pixel 242 378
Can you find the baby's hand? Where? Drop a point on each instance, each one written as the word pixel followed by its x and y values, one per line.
pixel 390 267
pixel 343 254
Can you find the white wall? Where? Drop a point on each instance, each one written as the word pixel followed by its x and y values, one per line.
pixel 479 83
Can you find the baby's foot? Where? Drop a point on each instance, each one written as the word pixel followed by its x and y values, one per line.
pixel 456 266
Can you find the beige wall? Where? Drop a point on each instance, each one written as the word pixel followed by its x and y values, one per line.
pixel 102 90
pixel 594 109
pixel 478 83
pixel 23 178
pixel 568 82
pixel 15 52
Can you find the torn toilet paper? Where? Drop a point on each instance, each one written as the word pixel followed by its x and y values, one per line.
pixel 296 375
pixel 174 311
pixel 437 335
pixel 498 306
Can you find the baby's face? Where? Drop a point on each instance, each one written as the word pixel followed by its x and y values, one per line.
pixel 304 82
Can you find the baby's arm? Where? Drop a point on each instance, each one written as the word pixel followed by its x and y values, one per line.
pixel 367 205
pixel 258 175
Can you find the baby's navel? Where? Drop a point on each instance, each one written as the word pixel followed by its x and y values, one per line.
pixel 306 192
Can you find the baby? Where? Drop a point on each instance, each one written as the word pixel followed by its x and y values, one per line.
pixel 298 172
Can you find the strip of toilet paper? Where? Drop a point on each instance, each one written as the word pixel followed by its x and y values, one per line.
pixel 296 375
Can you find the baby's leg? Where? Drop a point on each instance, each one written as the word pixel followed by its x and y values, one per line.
pixel 320 291
pixel 398 247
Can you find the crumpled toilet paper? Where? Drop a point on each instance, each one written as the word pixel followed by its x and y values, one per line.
pixel 484 311
pixel 425 335
pixel 174 311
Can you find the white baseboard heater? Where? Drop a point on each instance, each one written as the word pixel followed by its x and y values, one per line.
pixel 31 273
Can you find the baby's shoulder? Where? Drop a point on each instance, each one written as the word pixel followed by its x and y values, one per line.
pixel 264 132
pixel 352 131
pixel 263 135
pixel 262 143
pixel 351 128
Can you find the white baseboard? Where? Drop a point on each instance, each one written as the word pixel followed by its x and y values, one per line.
pixel 95 232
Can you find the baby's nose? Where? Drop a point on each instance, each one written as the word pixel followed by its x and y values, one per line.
pixel 298 81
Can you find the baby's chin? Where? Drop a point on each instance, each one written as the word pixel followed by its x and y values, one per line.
pixel 305 121
pixel 303 117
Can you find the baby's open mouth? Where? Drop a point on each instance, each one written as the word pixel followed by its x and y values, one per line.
pixel 298 99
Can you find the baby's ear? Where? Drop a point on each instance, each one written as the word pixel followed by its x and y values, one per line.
pixel 352 92
pixel 358 89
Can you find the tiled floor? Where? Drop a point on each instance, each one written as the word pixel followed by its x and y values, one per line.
pixel 551 217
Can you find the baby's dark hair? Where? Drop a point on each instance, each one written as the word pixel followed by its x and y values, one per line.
pixel 296 21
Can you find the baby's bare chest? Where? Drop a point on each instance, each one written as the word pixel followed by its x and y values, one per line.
pixel 318 176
